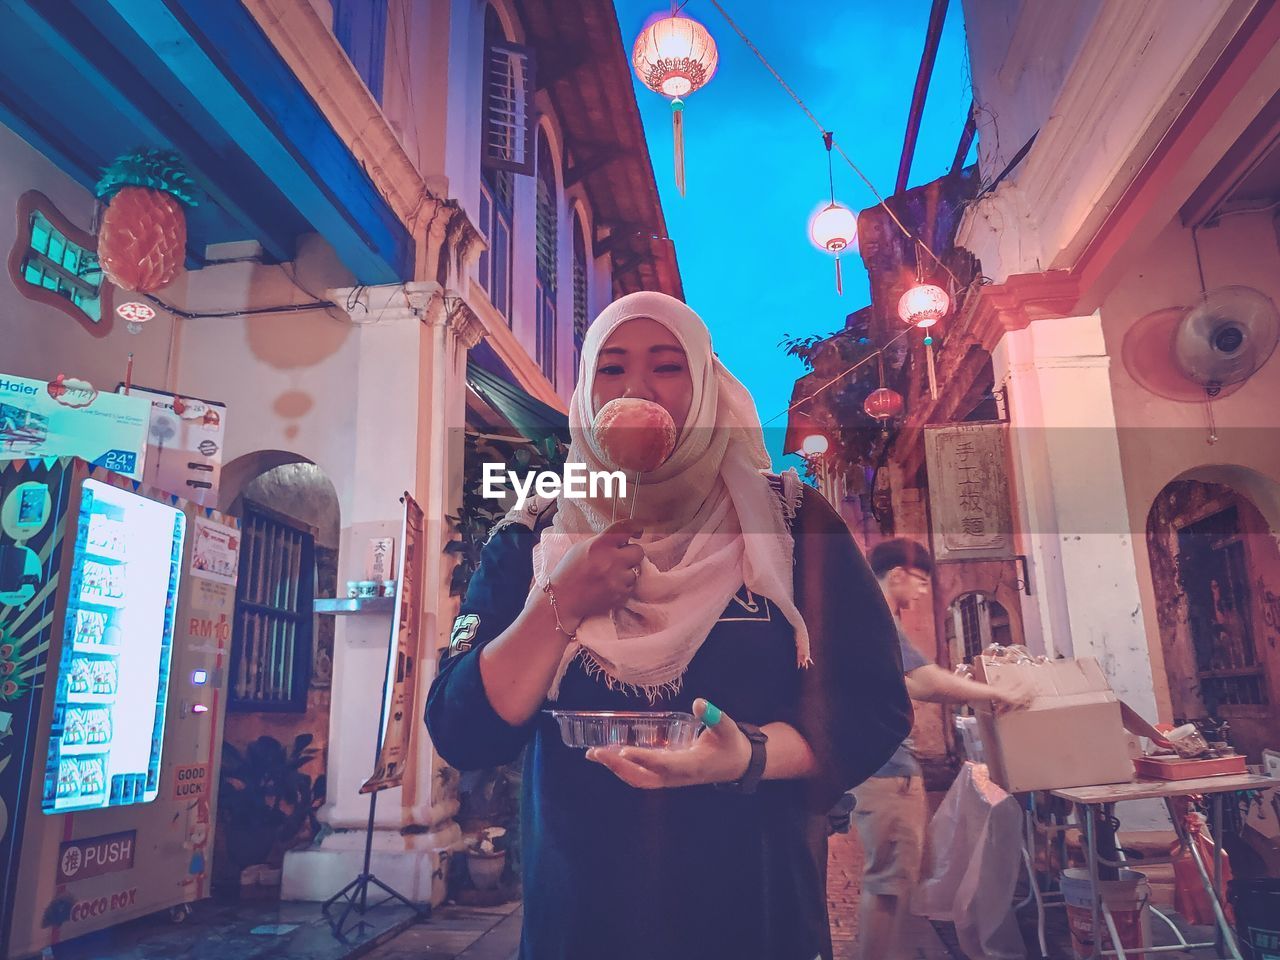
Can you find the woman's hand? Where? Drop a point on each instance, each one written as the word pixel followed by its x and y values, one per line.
pixel 720 755
pixel 599 574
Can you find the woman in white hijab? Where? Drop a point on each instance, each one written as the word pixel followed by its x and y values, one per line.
pixel 731 586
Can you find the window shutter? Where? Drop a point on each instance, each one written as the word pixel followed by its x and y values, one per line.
pixel 580 315
pixel 508 107
pixel 361 29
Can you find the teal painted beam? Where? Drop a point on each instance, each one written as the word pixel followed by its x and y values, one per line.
pixel 136 113
pixel 219 55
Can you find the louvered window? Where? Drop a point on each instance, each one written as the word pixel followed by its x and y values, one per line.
pixel 546 236
pixel 271 641
pixel 508 102
pixel 580 304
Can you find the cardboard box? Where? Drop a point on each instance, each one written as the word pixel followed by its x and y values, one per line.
pixel 1072 734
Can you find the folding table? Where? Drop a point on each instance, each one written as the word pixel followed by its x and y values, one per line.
pixel 1089 801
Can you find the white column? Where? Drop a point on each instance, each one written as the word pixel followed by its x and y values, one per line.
pixel 409 396
pixel 1071 498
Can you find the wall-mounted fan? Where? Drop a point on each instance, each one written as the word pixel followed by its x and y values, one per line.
pixel 1226 337
pixel 1205 351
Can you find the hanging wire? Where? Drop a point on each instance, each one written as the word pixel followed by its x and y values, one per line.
pixel 1195 245
pixel 834 380
pixel 827 137
pixel 880 200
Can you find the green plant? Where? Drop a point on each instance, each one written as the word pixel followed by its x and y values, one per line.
pixel 265 799
pixel 478 513
pixel 489 842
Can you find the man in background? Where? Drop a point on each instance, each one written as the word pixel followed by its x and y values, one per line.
pixel 891 811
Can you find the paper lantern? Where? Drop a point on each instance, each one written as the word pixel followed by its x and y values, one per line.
pixel 142 239
pixel 815 444
pixel 883 404
pixel 923 305
pixel 675 56
pixel 834 229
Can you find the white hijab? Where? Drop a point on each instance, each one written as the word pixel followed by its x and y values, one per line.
pixel 712 521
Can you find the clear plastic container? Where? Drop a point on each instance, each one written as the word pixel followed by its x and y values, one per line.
pixel 610 728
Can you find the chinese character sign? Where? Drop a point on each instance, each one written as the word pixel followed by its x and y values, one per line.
pixel 399 707
pixel 969 491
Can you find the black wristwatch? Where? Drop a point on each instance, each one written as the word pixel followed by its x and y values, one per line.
pixel 755 769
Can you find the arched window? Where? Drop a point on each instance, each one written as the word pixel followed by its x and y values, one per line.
pixel 503 151
pixel 581 307
pixel 547 240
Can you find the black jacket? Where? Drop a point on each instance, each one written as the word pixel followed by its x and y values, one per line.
pixel 610 871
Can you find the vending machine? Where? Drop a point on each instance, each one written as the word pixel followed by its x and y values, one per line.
pixel 116 603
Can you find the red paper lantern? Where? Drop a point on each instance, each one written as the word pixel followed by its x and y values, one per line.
pixel 883 404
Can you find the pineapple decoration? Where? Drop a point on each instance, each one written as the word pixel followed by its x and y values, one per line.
pixel 142 238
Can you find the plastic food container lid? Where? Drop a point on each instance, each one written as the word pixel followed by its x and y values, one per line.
pixel 582 729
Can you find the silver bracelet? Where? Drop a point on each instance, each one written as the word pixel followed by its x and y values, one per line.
pixel 555 610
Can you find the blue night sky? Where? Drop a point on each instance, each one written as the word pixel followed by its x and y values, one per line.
pixel 756 168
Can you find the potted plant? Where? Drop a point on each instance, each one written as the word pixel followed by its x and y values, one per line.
pixel 487 857
pixel 265 801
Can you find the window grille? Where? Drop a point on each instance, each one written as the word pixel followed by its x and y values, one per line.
pixel 1214 575
pixel 271 640
pixel 971 625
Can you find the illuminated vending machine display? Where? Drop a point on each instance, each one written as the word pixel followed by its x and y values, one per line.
pixel 107 730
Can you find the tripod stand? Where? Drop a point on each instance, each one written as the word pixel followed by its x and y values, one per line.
pixel 355 895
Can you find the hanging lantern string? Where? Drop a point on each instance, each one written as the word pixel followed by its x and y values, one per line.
pixel 823 130
pixel 836 379
pixel 827 138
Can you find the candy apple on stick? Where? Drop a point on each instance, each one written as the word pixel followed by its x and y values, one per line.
pixel 635 435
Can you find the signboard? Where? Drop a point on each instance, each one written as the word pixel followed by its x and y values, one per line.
pixel 398 707
pixel 95 856
pixel 191 782
pixel 184 444
pixel 69 418
pixel 94 907
pixel 380 560
pixel 969 491
pixel 215 551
